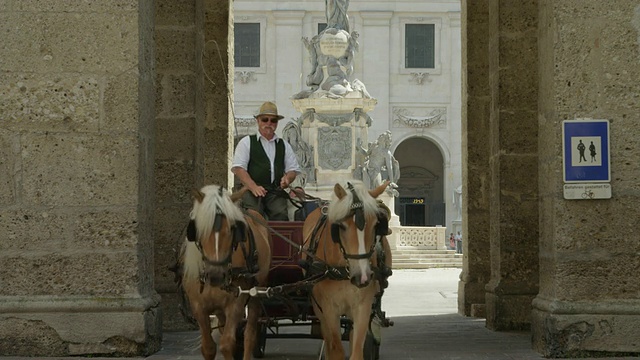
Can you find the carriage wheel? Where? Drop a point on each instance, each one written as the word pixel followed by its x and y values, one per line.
pixel 371 347
pixel 261 341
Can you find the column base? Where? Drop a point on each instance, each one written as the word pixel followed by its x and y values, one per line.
pixel 586 329
pixel 507 312
pixel 470 292
pixel 75 326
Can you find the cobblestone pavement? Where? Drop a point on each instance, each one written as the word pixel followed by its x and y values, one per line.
pixel 423 306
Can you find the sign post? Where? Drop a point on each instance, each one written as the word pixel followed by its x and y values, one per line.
pixel 586 162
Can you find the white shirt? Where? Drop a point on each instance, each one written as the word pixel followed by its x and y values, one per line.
pixel 243 153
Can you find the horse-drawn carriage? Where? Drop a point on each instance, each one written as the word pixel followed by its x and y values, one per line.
pixel 325 274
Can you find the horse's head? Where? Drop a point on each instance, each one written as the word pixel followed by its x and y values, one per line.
pixel 353 215
pixel 217 226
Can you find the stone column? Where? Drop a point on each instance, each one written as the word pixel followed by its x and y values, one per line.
pixel 215 74
pixel 476 100
pixel 588 304
pixel 77 180
pixel 193 122
pixel 513 164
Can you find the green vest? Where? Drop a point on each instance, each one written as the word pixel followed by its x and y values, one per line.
pixel 259 167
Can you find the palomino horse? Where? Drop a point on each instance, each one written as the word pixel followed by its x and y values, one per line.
pixel 224 251
pixel 344 239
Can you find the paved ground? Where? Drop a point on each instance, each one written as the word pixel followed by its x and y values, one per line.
pixel 422 304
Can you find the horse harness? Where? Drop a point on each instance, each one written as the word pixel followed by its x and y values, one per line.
pixel 342 272
pixel 249 250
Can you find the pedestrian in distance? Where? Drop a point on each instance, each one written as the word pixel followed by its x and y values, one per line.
pixel 458 238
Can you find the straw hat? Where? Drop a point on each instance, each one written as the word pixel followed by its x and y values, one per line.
pixel 269 109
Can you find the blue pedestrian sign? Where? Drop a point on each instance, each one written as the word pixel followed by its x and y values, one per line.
pixel 585 145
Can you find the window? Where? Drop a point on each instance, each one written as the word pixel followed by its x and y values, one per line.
pixel 419 46
pixel 321 27
pixel 247 45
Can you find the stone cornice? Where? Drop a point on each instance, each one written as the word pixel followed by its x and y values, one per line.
pixel 601 306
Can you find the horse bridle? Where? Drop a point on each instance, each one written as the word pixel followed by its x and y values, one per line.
pixel 238 229
pixel 357 209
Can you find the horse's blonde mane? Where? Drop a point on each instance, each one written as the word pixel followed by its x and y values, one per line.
pixel 341 208
pixel 204 214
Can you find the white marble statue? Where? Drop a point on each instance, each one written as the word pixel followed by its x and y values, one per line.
pixel 332 54
pixel 380 164
pixel 304 153
pixel 457 202
pixel 337 17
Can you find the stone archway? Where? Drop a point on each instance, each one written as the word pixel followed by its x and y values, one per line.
pixel 422 182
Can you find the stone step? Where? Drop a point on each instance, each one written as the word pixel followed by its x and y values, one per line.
pixel 422 256
pixel 428 261
pixel 425 259
pixel 420 251
pixel 427 265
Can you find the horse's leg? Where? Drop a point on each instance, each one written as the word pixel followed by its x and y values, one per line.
pixel 251 327
pixel 361 316
pixel 330 325
pixel 207 345
pixel 233 315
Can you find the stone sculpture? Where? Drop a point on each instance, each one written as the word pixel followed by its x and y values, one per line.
pixel 380 164
pixel 457 202
pixel 337 14
pixel 331 54
pixel 304 153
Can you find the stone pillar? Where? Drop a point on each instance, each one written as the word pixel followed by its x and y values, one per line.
pixel 476 100
pixel 513 164
pixel 588 304
pixel 77 180
pixel 215 74
pixel 176 70
pixel 193 122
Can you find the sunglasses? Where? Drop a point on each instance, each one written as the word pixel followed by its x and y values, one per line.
pixel 273 120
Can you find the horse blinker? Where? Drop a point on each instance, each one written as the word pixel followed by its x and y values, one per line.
pixel 335 232
pixel 191 231
pixel 239 232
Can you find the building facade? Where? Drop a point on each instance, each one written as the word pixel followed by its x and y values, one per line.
pixel 409 60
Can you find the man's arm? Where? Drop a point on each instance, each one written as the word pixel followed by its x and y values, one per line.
pixel 291 166
pixel 288 179
pixel 247 181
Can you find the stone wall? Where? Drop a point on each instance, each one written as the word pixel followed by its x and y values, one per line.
pixel 564 268
pixel 77 143
pixel 588 302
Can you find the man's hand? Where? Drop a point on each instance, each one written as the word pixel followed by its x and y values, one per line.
pixel 257 190
pixel 284 182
